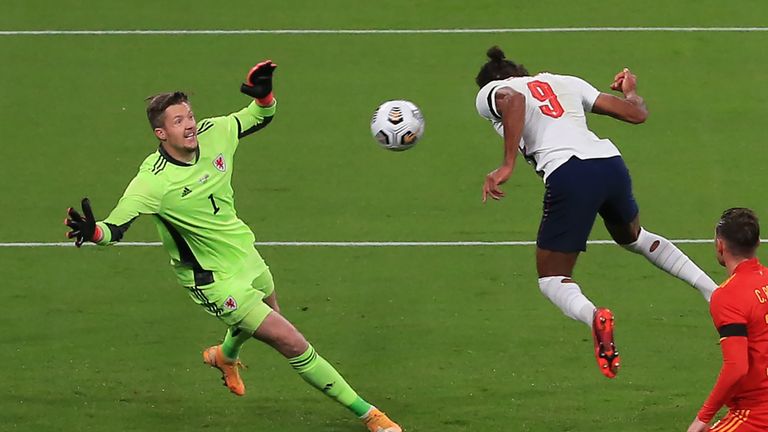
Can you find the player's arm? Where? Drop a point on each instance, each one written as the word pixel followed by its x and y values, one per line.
pixel 510 106
pixel 732 327
pixel 142 196
pixel 631 108
pixel 258 85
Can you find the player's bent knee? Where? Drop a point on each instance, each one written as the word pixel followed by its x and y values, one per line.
pixel 294 342
pixel 271 301
pixel 645 242
pixel 550 285
pixel 280 334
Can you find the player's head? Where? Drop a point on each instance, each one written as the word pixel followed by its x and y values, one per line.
pixel 173 121
pixel 498 67
pixel 737 234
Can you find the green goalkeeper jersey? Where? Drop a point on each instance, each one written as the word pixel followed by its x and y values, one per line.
pixel 193 204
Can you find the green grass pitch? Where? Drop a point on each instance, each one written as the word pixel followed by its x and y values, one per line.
pixel 442 338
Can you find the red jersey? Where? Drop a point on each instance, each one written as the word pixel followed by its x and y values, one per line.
pixel 739 309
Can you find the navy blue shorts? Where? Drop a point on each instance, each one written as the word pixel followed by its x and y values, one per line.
pixel 576 192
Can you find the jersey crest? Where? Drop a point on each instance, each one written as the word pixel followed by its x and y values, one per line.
pixel 220 163
pixel 230 303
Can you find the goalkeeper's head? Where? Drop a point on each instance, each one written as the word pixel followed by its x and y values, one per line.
pixel 173 122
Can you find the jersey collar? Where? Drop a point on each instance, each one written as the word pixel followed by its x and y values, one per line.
pixel 746 266
pixel 174 161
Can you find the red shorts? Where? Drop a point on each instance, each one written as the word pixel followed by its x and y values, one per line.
pixel 742 420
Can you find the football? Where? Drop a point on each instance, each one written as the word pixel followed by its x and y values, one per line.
pixel 397 125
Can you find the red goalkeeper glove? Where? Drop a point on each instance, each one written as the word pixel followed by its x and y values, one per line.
pixel 258 83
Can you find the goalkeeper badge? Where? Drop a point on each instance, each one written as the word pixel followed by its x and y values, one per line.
pixel 219 163
pixel 230 303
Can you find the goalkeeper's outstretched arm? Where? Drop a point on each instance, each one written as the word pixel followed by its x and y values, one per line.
pixel 142 196
pixel 258 85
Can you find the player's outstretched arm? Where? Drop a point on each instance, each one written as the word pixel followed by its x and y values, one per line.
pixel 258 85
pixel 511 107
pixel 142 196
pixel 83 227
pixel 631 108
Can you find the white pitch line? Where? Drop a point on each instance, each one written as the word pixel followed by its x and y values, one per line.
pixel 352 243
pixel 375 31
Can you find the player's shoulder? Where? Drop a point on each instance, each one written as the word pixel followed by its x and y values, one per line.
pixel 153 166
pixel 484 102
pixel 732 290
pixel 212 125
pixel 572 80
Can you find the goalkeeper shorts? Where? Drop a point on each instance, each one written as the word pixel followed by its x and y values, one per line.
pixel 236 300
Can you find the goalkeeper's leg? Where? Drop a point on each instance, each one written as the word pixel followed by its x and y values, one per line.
pixel 280 334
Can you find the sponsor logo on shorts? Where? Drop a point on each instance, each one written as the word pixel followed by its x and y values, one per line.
pixel 230 303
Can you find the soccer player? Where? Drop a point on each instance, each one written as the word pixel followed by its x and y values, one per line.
pixel 543 117
pixel 186 187
pixel 739 310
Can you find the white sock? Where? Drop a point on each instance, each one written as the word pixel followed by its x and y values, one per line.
pixel 566 294
pixel 666 256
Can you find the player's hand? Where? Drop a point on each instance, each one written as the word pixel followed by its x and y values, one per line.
pixel 83 227
pixel 617 81
pixel 258 82
pixel 625 81
pixel 698 426
pixel 493 180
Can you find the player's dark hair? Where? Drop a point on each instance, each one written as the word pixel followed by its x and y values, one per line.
pixel 157 104
pixel 740 229
pixel 498 67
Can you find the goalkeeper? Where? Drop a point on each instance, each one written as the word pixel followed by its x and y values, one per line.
pixel 186 186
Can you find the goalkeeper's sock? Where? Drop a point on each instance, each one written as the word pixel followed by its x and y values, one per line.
pixel 567 295
pixel 322 376
pixel 666 256
pixel 233 341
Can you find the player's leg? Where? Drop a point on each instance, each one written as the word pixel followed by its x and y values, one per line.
pixel 555 282
pixel 622 220
pixel 280 334
pixel 235 338
pixel 253 317
pixel 271 301
pixel 239 296
pixel 569 211
pixel 573 195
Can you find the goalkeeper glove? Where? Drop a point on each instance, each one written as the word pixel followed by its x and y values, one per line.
pixel 83 227
pixel 258 83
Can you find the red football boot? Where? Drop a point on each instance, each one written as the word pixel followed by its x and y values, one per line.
pixel 605 349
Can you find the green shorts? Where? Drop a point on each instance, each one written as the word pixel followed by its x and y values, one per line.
pixel 237 300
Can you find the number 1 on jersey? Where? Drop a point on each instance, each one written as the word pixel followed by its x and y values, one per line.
pixel 543 92
pixel 213 203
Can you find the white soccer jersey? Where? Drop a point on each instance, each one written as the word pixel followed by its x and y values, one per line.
pixel 555 122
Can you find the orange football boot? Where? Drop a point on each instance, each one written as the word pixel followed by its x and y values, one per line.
pixel 605 349
pixel 214 357
pixel 377 421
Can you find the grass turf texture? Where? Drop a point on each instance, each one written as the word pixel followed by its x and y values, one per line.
pixel 442 338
